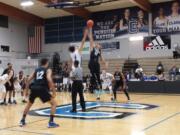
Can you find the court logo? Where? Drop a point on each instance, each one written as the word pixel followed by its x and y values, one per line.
pixel 157 43
pixel 92 110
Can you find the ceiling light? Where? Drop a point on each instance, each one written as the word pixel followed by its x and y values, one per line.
pixel 27 3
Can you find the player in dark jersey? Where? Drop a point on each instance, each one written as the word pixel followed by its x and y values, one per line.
pixel 41 88
pixel 119 84
pixel 94 65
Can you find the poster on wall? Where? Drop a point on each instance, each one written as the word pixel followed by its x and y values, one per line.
pixel 86 48
pixel 166 18
pixel 110 46
pixel 157 43
pixel 120 22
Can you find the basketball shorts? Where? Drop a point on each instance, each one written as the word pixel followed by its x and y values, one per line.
pixel 17 87
pixel 106 85
pixel 117 86
pixel 65 81
pixel 9 87
pixel 41 92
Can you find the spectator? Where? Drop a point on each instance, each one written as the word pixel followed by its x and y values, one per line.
pixel 176 52
pixel 88 80
pixel 139 73
pixel 173 72
pixel 161 77
pixel 160 68
pixel 65 76
pixel 22 81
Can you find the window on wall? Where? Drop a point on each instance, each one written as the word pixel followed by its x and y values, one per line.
pixel 5 48
pixel 64 29
pixel 3 21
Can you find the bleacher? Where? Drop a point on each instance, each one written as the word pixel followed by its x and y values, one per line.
pixel 148 64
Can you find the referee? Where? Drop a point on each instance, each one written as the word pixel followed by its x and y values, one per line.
pixel 77 87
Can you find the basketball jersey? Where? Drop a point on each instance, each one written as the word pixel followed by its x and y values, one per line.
pixel 174 22
pixel 107 77
pixel 40 77
pixel 3 79
pixel 95 54
pixel 21 80
pixel 118 77
pixel 161 23
pixel 12 78
pixel 75 56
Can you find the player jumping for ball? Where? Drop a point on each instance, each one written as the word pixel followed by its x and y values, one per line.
pixel 75 53
pixel 94 64
pixel 41 88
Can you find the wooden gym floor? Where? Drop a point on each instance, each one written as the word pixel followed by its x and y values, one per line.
pixel 164 120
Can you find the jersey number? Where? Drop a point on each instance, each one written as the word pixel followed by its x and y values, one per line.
pixel 39 75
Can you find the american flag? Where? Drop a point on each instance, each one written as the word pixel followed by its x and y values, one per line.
pixel 35 39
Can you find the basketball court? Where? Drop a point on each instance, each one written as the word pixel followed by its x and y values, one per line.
pixel 163 119
pixel 95 48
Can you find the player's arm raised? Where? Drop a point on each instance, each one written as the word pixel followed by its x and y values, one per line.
pixel 83 40
pixel 50 82
pixel 90 35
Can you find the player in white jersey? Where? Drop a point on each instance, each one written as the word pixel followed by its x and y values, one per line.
pixel 107 81
pixel 161 21
pixel 75 52
pixel 174 18
pixel 3 79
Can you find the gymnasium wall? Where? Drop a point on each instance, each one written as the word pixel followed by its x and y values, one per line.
pixel 16 37
pixel 127 49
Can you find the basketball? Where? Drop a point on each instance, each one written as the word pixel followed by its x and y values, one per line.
pixel 90 23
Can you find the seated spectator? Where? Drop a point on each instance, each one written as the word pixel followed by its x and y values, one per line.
pixel 160 68
pixel 176 52
pixel 65 76
pixel 88 79
pixel 139 73
pixel 173 72
pixel 161 77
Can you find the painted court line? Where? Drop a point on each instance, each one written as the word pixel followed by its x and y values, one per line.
pixel 8 128
pixel 161 121
pixel 30 132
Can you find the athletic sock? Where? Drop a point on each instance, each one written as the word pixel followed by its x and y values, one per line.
pixel 9 100
pixel 4 100
pixel 24 117
pixel 51 118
